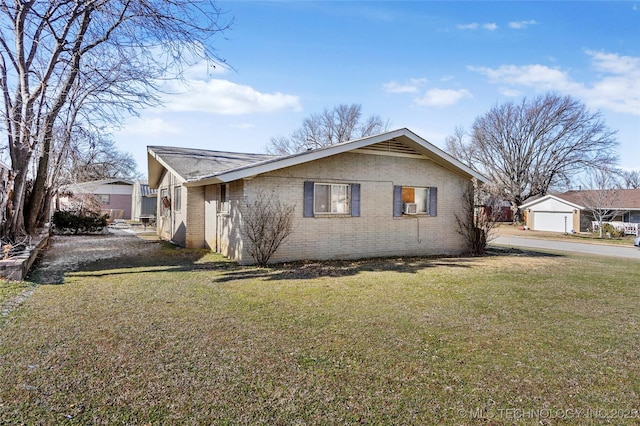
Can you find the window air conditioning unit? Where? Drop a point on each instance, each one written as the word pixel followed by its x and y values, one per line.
pixel 410 208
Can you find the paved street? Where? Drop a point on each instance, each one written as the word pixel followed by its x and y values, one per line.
pixel 630 252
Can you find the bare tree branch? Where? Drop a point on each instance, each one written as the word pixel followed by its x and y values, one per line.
pixel 527 148
pixel 120 49
pixel 340 124
pixel 604 197
pixel 267 224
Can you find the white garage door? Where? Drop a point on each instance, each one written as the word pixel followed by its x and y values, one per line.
pixel 552 221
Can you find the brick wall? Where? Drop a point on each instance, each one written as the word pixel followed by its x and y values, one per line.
pixel 376 232
pixel 193 201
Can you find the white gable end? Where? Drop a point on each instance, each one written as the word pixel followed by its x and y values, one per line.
pixel 552 205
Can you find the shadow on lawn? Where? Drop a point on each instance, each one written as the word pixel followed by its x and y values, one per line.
pixel 121 255
pixel 342 268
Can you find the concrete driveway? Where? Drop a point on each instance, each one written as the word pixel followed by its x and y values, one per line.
pixel 630 252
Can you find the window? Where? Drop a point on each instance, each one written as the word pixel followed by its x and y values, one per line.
pixel 224 198
pixel 177 198
pixel 331 198
pixel 103 198
pixel 417 196
pixel 415 200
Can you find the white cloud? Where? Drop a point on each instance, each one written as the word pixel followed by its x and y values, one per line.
pixel 512 93
pixel 204 70
pixel 149 127
pixel 442 97
pixel 412 86
pixel 519 25
pixel 224 97
pixel 474 26
pixel 536 76
pixel 616 87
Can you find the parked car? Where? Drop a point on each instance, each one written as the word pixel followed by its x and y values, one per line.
pixel 636 242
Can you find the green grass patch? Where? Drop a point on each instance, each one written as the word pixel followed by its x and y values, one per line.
pixel 581 237
pixel 194 339
pixel 11 289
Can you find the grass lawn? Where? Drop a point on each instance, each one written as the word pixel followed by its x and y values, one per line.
pixel 193 339
pixel 507 229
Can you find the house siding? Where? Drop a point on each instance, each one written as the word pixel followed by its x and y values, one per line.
pixel 120 196
pixel 173 226
pixel 375 232
pixel 118 202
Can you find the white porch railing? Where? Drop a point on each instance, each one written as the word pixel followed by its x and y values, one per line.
pixel 629 228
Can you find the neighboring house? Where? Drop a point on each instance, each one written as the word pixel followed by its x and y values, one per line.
pixel 569 211
pixel 392 194
pixel 143 200
pixel 113 196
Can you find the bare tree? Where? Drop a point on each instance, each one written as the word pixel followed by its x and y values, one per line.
pixel 340 124
pixel 119 47
pixel 456 146
pixel 527 148
pixel 630 179
pixel 478 221
pixel 81 149
pixel 604 199
pixel 267 224
pixel 93 157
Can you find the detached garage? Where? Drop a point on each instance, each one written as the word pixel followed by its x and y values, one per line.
pixel 551 213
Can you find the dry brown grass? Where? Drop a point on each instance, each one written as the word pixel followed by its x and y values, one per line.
pixel 192 339
pixel 507 229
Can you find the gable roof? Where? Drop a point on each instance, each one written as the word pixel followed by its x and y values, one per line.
pixel 191 165
pixel 627 199
pixel 202 167
pixel 94 183
pixel 556 197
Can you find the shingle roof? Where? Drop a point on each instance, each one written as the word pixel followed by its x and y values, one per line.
pixel 193 164
pixel 197 167
pixel 626 198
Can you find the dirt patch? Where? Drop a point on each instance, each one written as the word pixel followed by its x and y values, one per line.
pixel 70 253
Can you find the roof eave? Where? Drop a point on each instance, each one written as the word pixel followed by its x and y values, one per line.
pixel 155 169
pixel 551 196
pixel 422 145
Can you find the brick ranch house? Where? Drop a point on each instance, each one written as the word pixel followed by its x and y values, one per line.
pixel 393 194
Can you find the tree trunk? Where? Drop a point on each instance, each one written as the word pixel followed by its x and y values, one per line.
pixel 14 225
pixel 36 198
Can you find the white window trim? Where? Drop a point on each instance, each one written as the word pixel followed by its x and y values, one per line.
pixel 423 209
pixel 347 210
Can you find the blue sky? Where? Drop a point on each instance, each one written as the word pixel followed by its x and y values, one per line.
pixel 425 65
